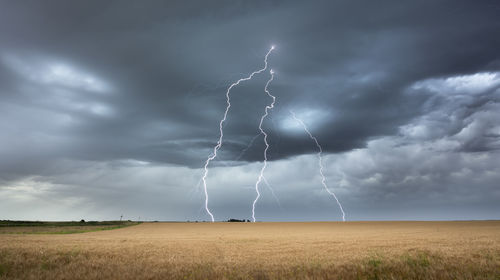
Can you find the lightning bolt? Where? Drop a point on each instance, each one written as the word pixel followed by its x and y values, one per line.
pixel 247 147
pixel 261 176
pixel 272 191
pixel 221 135
pixel 320 162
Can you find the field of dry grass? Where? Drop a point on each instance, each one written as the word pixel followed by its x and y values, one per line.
pixel 20 227
pixel 323 250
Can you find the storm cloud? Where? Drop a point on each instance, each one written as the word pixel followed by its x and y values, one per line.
pixel 113 107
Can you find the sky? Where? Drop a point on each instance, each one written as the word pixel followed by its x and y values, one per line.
pixel 112 108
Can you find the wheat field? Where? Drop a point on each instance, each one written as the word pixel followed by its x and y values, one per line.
pixel 315 250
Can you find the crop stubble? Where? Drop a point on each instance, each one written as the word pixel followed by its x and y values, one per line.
pixel 318 250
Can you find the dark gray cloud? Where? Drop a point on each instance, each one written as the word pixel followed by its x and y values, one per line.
pixel 100 84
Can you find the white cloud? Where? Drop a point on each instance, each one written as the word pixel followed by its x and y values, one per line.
pixel 54 73
pixel 463 112
pixel 465 84
pixel 59 86
pixel 312 117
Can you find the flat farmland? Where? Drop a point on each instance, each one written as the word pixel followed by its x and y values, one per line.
pixel 315 250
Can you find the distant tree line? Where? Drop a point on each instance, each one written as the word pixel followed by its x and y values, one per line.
pixel 238 221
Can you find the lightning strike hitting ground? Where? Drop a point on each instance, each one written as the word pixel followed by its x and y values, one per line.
pixel 261 176
pixel 320 159
pixel 221 135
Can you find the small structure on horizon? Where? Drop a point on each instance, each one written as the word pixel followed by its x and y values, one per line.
pixel 237 221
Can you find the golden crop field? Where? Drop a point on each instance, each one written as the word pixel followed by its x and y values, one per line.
pixel 316 250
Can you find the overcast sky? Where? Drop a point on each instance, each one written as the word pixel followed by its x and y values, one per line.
pixel 111 108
